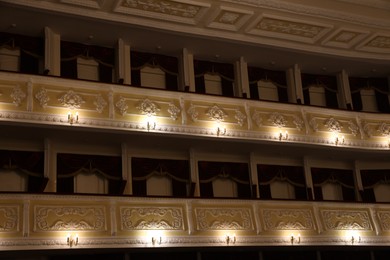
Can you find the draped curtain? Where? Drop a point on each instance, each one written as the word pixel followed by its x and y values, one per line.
pixel 70 51
pixel 371 178
pixel 294 175
pixel 278 78
pixel 70 165
pixel 31 50
pixel 31 164
pixel 322 176
pixel 167 64
pixel 144 168
pixel 224 70
pixel 237 172
pixel 329 83
pixel 380 86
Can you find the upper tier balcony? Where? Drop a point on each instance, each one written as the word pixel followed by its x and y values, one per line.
pixel 54 101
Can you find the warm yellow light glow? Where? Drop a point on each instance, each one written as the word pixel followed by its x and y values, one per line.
pixel 353 236
pixel 282 136
pixel 156 237
pixel 337 139
pixel 72 240
pixel 151 123
pixel 221 130
pixel 295 239
pixel 230 239
pixel 73 117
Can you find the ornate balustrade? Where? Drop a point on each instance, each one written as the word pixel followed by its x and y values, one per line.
pixel 57 101
pixel 57 221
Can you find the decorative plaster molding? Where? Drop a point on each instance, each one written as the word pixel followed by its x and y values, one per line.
pixel 277 119
pixel 353 128
pixel 17 95
pixel 148 107
pixel 174 111
pixel 65 218
pixel 100 103
pixel 42 97
pixel 384 129
pixel 216 113
pixel 122 105
pixel 384 219
pixel 257 118
pixel 223 219
pixel 337 219
pixel 333 125
pixel 71 100
pixel 298 122
pixel 9 218
pixel 193 113
pixel 151 218
pixel 288 219
pixel 240 117
pixel 164 7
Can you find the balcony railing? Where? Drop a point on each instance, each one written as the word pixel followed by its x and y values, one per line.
pixel 49 221
pixel 74 103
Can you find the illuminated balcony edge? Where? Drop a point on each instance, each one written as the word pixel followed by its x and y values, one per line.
pixel 241 118
pixel 37 222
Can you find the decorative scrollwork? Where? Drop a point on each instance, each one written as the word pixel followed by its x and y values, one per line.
pixel 240 117
pixel 223 219
pixel 216 113
pixel 314 124
pixel 333 125
pixel 346 220
pixel 354 128
pixel 17 95
pixel 149 218
pixel 277 119
pixel 71 100
pixel 64 218
pixel 288 219
pixel 257 118
pixel 384 129
pixel 100 103
pixel 42 97
pixel 298 122
pixel 122 105
pixel 193 113
pixel 165 7
pixel 174 111
pixel 148 107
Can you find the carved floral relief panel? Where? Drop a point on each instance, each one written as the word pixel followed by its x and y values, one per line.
pixel 383 217
pixel 346 219
pixel 13 95
pixel 152 217
pixel 10 218
pixel 221 218
pixel 48 218
pixel 277 219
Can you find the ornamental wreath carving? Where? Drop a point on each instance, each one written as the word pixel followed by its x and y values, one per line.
pixel 42 97
pixel 278 120
pixel 100 103
pixel 71 100
pixel 174 111
pixel 148 107
pixel 216 113
pixel 17 95
pixel 333 125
